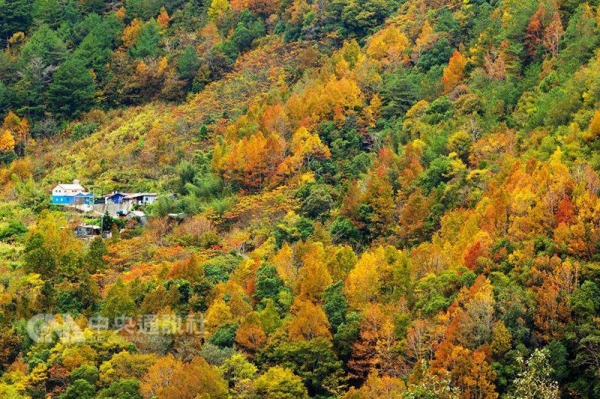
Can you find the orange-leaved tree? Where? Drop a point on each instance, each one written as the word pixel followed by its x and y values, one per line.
pixel 454 73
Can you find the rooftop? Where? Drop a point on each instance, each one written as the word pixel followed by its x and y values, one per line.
pixel 133 195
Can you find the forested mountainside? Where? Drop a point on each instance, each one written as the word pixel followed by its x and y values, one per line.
pixel 354 199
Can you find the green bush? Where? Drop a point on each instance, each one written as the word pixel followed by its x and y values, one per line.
pixel 13 231
pixel 82 130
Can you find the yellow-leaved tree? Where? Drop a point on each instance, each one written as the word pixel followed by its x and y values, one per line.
pixel 13 133
pixel 7 141
pixel 594 128
pixel 389 46
pixel 314 276
pixel 306 147
pixel 172 378
pixel 217 9
pixel 363 283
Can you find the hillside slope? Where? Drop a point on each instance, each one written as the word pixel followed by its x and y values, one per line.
pixel 355 199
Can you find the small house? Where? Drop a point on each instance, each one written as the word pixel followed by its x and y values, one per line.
pixel 141 198
pixel 116 198
pixel 71 194
pixel 87 230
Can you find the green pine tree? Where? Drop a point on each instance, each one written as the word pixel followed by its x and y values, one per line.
pixel 72 90
pixel 16 17
pixel 147 44
pixel 188 63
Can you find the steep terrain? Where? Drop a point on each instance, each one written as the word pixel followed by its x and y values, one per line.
pixel 355 199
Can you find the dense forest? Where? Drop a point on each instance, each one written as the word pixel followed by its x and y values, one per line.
pixel 356 199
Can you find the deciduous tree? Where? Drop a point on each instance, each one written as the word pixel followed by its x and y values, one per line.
pixel 454 73
pixel 170 378
pixel 278 382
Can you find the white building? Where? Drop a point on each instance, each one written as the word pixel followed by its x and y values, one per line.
pixel 68 189
pixel 140 198
pixel 71 194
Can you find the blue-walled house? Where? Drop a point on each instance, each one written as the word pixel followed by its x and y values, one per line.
pixel 115 198
pixel 75 194
pixel 71 194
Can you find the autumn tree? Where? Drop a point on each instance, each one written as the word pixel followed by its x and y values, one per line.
pixel 552 312
pixel 535 30
pixel 328 98
pixel 10 342
pixel 501 339
pixel 250 336
pixel 376 348
pixel 418 341
pixel 191 270
pixel 410 163
pixel 378 387
pixel 171 378
pixel 240 373
pixel 305 147
pixel 594 127
pixel 413 217
pixel 379 197
pixel 454 73
pixel 218 314
pixel 16 127
pixel 389 46
pixel 425 39
pixel 163 18
pixel 50 249
pixel 565 212
pixel 7 141
pixel 125 365
pixel 363 284
pixel 553 35
pixel 314 276
pixel 278 382
pixel 468 370
pixel 251 162
pixel 309 322
pixel 217 9
pixel 132 32
pixel 475 321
